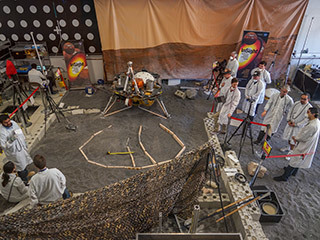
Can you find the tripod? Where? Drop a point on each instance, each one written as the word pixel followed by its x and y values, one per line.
pixel 212 83
pixel 245 124
pixel 50 107
pixel 18 95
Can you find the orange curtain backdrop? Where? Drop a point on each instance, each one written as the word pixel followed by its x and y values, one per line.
pixel 181 38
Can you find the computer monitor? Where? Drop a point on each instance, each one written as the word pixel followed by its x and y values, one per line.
pixel 39 68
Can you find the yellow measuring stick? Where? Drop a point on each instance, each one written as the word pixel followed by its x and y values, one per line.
pixel 118 153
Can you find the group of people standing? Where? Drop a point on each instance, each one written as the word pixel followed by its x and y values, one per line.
pixel 303 127
pixel 46 186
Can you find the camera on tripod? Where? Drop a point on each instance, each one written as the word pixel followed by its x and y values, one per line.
pixel 219 66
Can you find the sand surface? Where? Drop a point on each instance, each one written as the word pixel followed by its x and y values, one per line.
pixel 299 197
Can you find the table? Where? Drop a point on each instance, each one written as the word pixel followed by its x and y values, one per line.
pixel 306 83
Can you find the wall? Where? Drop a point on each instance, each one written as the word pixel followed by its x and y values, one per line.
pixel 312 40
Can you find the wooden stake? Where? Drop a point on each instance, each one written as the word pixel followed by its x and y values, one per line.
pixel 180 152
pixel 131 156
pixel 143 148
pixel 175 138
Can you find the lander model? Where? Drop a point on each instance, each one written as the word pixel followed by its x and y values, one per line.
pixel 140 89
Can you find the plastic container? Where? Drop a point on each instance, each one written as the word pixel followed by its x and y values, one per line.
pixel 271 202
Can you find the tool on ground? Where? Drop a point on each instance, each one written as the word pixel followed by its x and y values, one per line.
pixel 118 153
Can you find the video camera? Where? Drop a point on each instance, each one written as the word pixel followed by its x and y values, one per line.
pixel 219 66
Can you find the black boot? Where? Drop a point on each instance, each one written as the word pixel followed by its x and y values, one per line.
pixel 260 137
pixel 287 173
pixel 294 173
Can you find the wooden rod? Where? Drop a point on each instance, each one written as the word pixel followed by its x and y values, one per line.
pixel 157 114
pixel 131 156
pixel 180 152
pixel 242 206
pixel 175 137
pixel 109 114
pixel 231 204
pixel 143 148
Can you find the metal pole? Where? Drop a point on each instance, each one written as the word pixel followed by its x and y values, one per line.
pixel 160 222
pixel 195 219
pixel 36 47
pixel 304 44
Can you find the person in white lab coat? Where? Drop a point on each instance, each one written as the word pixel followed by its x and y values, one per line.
pixel 253 90
pixel 233 64
pixel 224 87
pixel 296 119
pixel 277 107
pixel 36 76
pixel 225 82
pixel 265 79
pixel 12 188
pixel 306 143
pixel 48 185
pixel 13 143
pixel 232 97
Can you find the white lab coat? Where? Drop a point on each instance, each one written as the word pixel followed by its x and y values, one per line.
pixel 227 85
pixel 233 65
pixel 17 151
pixel 253 91
pixel 19 191
pixel 232 101
pixel 36 76
pixel 307 139
pixel 46 186
pixel 265 78
pixel 264 75
pixel 297 115
pixel 276 108
pixel 223 90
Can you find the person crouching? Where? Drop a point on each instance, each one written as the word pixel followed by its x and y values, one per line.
pixel 48 185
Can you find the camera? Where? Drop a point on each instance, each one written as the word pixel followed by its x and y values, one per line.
pixel 219 66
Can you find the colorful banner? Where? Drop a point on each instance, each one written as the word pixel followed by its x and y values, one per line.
pixel 251 51
pixel 76 62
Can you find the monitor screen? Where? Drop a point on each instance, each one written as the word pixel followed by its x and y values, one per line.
pixel 39 68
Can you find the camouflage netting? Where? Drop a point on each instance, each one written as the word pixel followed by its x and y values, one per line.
pixel 117 211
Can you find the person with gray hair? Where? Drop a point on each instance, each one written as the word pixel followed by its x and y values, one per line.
pixel 233 64
pixel 296 119
pixel 306 142
pixel 275 109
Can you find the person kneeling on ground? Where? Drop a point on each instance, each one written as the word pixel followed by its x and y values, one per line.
pixel 12 188
pixel 48 185
pixel 232 97
pixel 306 143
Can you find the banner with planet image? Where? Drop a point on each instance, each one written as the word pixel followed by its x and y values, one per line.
pixel 76 62
pixel 251 52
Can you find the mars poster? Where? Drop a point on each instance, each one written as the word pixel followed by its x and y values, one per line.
pixel 251 51
pixel 76 62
